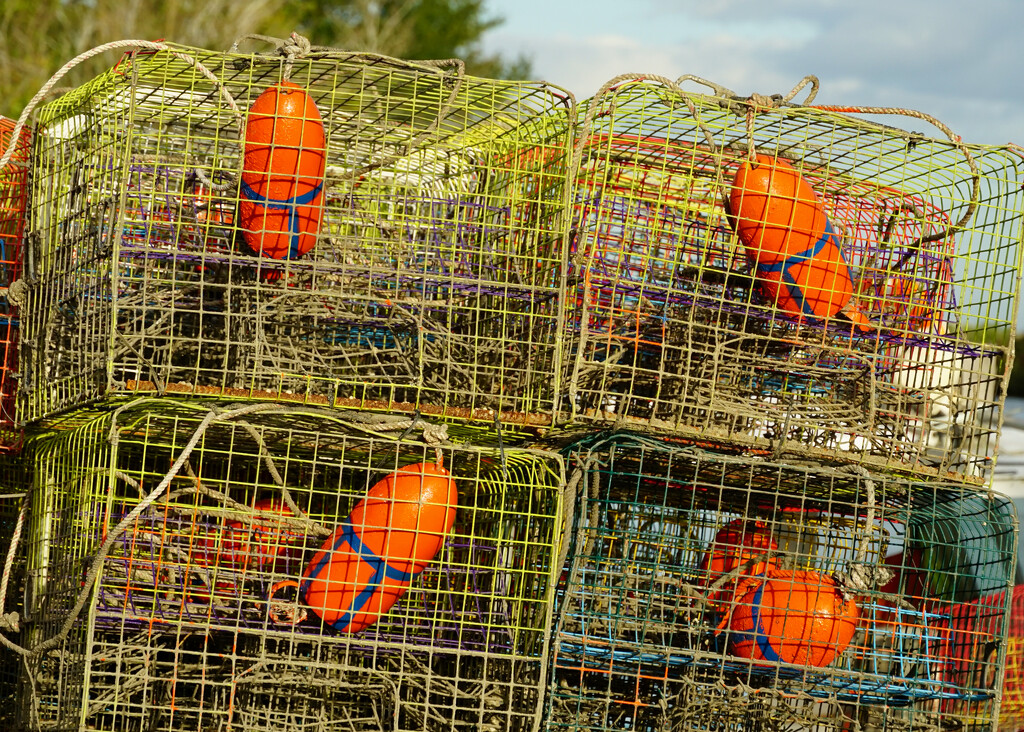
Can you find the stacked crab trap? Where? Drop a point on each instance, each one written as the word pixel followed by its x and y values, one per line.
pixel 790 330
pixel 189 561
pixel 291 318
pixel 365 394
pixel 345 230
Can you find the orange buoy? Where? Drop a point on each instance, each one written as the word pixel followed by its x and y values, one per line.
pixel 737 543
pixel 254 545
pixel 789 239
pixel 390 536
pixel 281 201
pixel 257 545
pixel 797 617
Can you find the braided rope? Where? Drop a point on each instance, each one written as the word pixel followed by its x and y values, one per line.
pixel 113 45
pixel 9 621
pixel 972 205
pixel 126 522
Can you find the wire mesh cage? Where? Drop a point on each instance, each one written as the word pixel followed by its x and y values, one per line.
pixel 13 512
pixel 1011 711
pixel 179 546
pixel 14 191
pixel 710 590
pixel 757 271
pixel 332 227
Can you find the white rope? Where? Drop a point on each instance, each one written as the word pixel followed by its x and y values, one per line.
pixel 9 621
pixel 126 522
pixel 113 45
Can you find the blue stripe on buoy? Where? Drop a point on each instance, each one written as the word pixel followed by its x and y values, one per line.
pixel 291 203
pixel 763 642
pixel 795 292
pixel 381 569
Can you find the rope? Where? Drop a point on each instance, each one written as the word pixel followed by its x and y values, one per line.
pixel 295 47
pixel 9 621
pixel 860 576
pixel 954 138
pixel 96 566
pixel 113 45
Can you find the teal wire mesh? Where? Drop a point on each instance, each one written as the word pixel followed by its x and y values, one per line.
pixel 642 641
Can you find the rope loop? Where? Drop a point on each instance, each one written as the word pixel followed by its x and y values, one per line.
pixel 296 46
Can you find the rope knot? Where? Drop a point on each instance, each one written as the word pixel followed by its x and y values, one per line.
pixel 435 434
pixel 10 622
pixel 17 293
pixel 860 577
pixel 760 101
pixel 295 47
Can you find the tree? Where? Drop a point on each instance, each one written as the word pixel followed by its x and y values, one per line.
pixel 38 36
pixel 411 29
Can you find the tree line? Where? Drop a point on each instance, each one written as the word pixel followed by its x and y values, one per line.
pixel 37 37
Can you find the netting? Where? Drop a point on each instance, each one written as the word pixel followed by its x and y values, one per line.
pixel 887 338
pixel 714 590
pixel 172 549
pixel 431 278
pixel 14 194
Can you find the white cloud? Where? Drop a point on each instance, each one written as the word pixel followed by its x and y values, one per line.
pixel 957 63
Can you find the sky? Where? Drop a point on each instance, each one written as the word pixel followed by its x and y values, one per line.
pixel 959 61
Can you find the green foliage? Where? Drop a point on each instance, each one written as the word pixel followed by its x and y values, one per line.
pixel 412 29
pixel 38 36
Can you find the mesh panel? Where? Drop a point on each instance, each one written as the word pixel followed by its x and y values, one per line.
pixel 196 605
pixel 14 193
pixel 674 322
pixel 714 587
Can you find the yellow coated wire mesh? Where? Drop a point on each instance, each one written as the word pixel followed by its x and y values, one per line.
pixel 424 273
pixel 1011 710
pixel 708 589
pixel 860 300
pixel 176 549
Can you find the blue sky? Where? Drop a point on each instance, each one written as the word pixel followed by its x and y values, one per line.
pixel 958 61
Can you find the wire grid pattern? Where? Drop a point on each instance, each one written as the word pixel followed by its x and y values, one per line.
pixel 671 330
pixel 434 281
pixel 186 603
pixel 1011 711
pixel 13 486
pixel 14 194
pixel 642 642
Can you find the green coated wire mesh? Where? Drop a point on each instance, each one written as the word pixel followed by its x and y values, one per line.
pixel 431 278
pixel 712 590
pixel 886 336
pixel 176 549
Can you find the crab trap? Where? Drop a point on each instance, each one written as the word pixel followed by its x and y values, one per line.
pixel 14 191
pixel 175 546
pixel 1011 711
pixel 13 514
pixel 711 590
pixel 756 271
pixel 334 228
